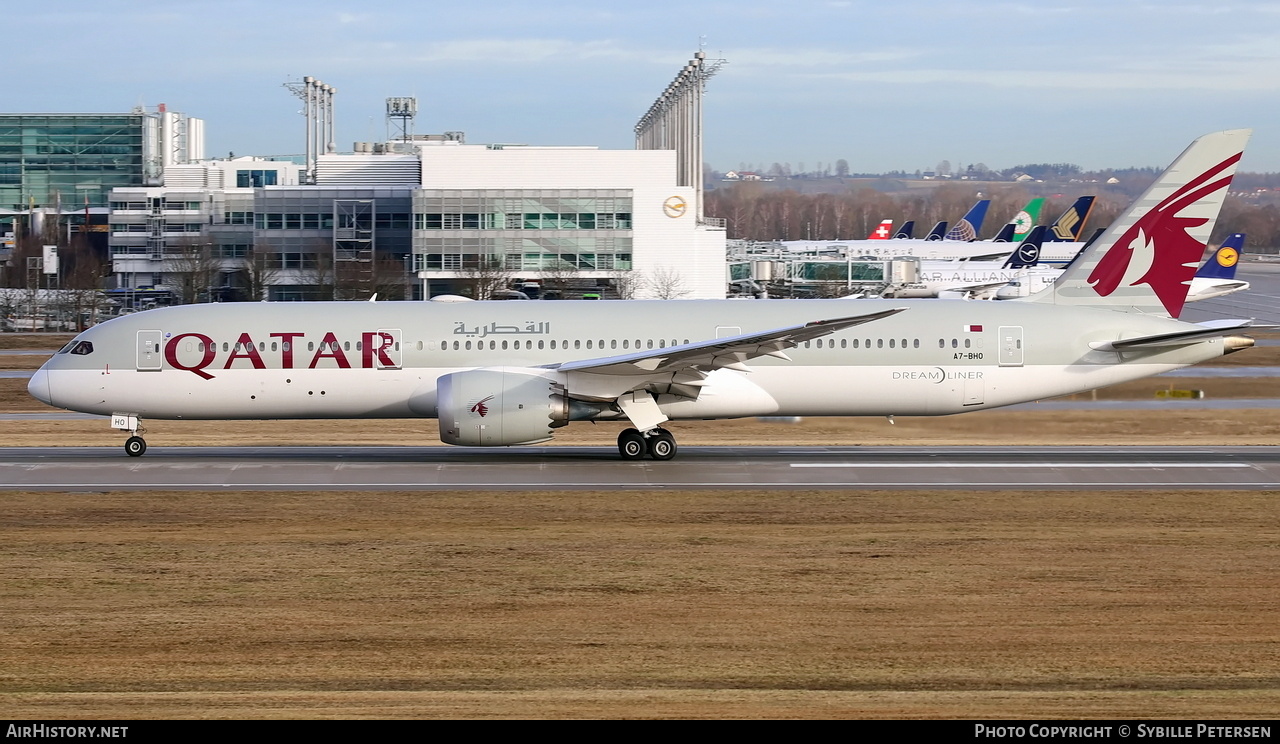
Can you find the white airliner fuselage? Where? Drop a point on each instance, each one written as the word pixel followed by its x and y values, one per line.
pixel 383 360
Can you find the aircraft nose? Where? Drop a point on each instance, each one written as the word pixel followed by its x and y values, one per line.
pixel 39 387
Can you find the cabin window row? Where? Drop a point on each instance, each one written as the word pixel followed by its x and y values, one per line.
pixel 892 343
pixel 625 344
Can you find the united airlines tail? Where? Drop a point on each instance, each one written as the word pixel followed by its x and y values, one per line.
pixel 968 227
pixel 1222 264
pixel 1146 259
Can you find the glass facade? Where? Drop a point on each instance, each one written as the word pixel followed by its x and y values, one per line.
pixel 527 230
pixel 75 156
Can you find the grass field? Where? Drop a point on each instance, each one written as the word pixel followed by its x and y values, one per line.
pixel 640 604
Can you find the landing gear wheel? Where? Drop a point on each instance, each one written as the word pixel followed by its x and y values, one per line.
pixel 662 445
pixel 632 445
pixel 135 446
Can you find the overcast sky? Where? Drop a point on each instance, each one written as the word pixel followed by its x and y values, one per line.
pixel 883 85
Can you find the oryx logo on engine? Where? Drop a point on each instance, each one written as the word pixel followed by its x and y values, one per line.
pixel 480 407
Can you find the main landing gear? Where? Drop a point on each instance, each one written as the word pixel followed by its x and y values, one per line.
pixel 657 443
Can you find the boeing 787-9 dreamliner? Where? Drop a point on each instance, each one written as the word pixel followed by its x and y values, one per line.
pixel 511 373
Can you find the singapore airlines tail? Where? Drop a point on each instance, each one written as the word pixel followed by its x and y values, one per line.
pixel 1145 260
pixel 1068 227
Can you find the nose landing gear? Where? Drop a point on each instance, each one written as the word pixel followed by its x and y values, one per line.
pixel 135 445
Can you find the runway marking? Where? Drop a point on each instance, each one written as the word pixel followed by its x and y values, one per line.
pixel 420 486
pixel 1004 465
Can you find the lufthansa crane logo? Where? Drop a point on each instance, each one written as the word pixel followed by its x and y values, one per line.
pixel 1227 257
pixel 674 206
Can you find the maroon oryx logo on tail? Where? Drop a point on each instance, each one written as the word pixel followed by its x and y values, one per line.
pixel 1161 237
pixel 481 408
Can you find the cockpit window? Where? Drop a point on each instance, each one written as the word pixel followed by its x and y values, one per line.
pixel 67 348
pixel 83 348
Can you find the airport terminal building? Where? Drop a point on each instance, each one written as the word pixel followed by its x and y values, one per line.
pixel 421 218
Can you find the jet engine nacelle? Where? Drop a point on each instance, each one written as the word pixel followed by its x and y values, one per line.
pixel 499 406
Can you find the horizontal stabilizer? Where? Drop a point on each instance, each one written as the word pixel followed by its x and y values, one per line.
pixel 1208 329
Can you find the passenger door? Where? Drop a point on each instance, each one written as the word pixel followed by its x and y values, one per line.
pixel 150 353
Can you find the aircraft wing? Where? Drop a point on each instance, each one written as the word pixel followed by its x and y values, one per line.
pixel 996 255
pixel 971 289
pixel 1208 329
pixel 730 352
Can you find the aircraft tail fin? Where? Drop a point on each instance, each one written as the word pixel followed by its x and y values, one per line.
pixel 1026 219
pixel 1027 253
pixel 1067 228
pixel 971 224
pixel 905 231
pixel 938 232
pixel 1006 234
pixel 1222 264
pixel 1145 260
pixel 883 231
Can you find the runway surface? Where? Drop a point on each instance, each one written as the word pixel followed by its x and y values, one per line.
pixel 579 468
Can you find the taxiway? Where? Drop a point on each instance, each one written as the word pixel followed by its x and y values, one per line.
pixel 575 468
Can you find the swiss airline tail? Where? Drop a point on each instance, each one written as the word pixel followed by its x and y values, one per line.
pixel 883 231
pixel 1145 260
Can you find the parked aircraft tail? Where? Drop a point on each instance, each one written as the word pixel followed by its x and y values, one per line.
pixel 1222 264
pixel 1006 234
pixel 1145 260
pixel 883 231
pixel 1025 220
pixel 971 224
pixel 1067 228
pixel 938 232
pixel 1027 254
pixel 905 231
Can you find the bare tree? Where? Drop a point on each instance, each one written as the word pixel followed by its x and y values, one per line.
pixel 259 270
pixel 194 269
pixel 83 274
pixel 628 284
pixel 319 274
pixel 558 277
pixel 486 276
pixel 665 283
